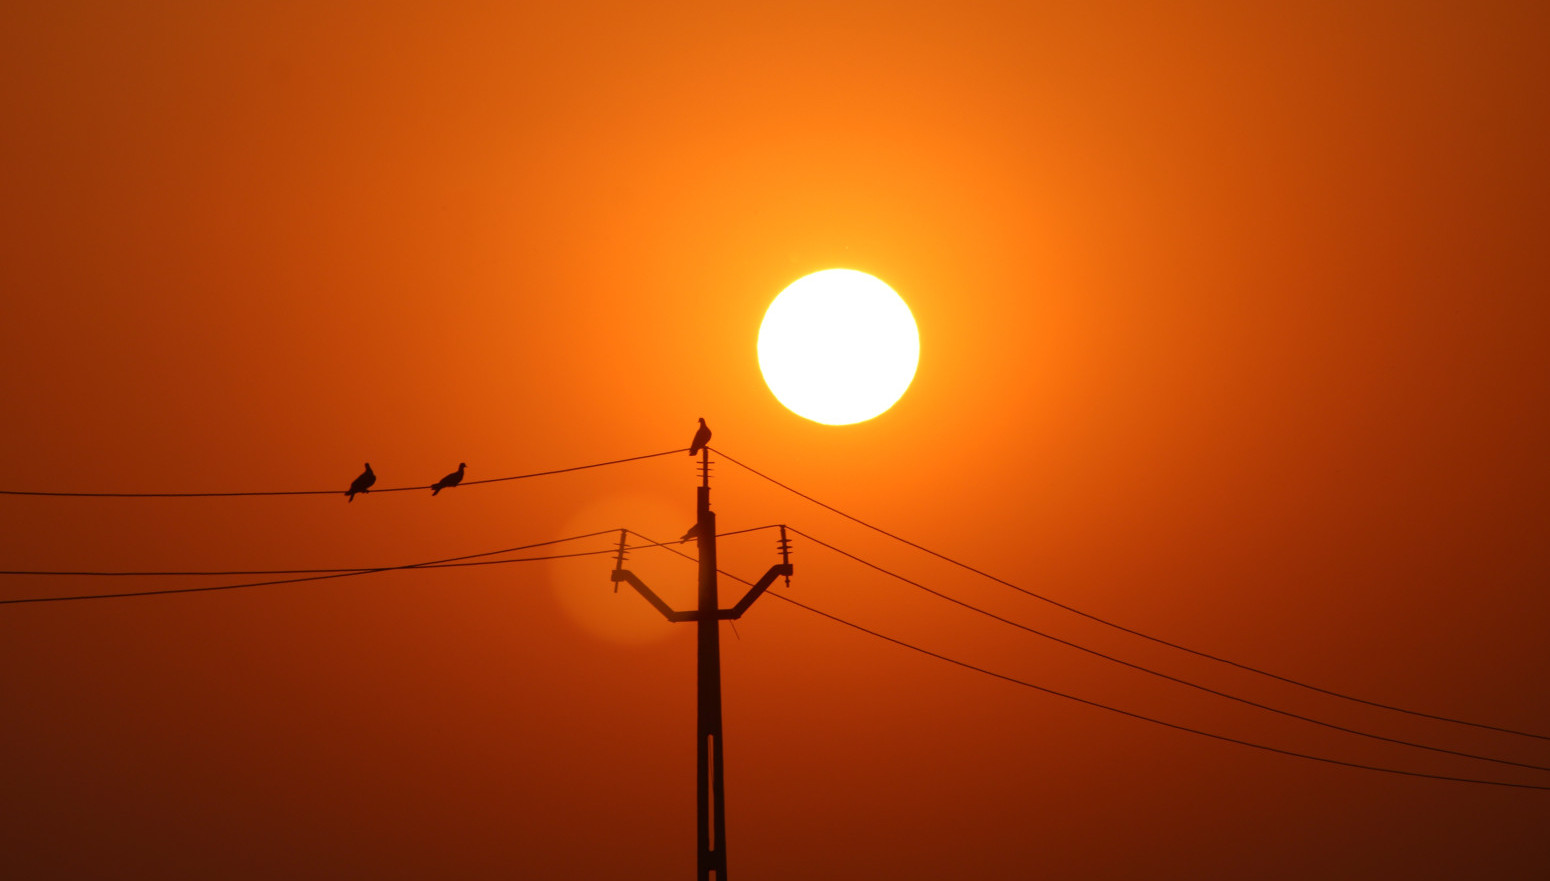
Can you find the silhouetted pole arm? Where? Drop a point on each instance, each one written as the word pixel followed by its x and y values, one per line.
pixel 677 617
pixel 755 592
pixel 656 602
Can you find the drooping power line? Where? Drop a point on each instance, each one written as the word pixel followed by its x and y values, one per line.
pixel 1130 630
pixel 464 560
pixel 325 492
pixel 320 574
pixel 668 546
pixel 1091 703
pixel 1158 673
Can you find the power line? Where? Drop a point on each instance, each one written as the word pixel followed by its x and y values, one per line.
pixel 323 574
pixel 1026 684
pixel 1144 669
pixel 327 492
pixel 343 570
pixel 428 564
pixel 1130 630
pixel 1081 700
pixel 468 560
pixel 339 569
pixel 1144 718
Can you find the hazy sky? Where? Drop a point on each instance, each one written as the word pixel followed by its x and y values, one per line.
pixel 1234 329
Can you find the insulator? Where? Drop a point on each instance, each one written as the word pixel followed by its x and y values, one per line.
pixel 785 551
pixel 619 557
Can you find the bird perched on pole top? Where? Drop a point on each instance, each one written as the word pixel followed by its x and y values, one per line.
pixel 701 438
pixel 361 484
pixel 452 479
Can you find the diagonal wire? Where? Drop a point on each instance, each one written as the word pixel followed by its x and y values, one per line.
pixel 1091 703
pixel 1130 630
pixel 1144 669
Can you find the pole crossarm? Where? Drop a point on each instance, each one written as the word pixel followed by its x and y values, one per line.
pixel 756 591
pixel 656 602
pixel 671 614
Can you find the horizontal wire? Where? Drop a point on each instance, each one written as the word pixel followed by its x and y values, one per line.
pixel 328 492
pixel 352 570
pixel 1144 669
pixel 429 564
pixel 1132 631
pixel 207 572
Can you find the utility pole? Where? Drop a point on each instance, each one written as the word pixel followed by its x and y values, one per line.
pixel 711 828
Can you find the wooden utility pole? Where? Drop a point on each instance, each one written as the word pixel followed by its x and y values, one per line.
pixel 711 828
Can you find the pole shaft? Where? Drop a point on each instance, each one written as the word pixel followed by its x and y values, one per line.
pixel 711 801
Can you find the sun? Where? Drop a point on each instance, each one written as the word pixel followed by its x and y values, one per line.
pixel 838 347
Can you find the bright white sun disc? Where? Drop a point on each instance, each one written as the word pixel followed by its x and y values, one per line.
pixel 838 346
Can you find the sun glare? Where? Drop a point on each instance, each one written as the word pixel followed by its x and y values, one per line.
pixel 838 347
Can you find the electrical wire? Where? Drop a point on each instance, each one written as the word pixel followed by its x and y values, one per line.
pixel 1144 669
pixel 668 546
pixel 1092 703
pixel 744 531
pixel 339 571
pixel 1130 630
pixel 198 572
pixel 350 570
pixel 428 564
pixel 328 492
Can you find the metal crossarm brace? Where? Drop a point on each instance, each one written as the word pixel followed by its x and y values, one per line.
pixel 671 614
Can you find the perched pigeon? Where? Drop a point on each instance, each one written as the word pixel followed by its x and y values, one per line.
pixel 362 484
pixel 701 437
pixel 694 532
pixel 452 479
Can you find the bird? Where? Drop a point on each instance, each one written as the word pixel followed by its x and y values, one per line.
pixel 694 532
pixel 362 484
pixel 452 479
pixel 701 438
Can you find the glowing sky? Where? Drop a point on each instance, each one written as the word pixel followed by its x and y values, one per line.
pixel 1234 324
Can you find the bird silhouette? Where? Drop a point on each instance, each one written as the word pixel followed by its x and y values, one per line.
pixel 452 479
pixel 694 532
pixel 701 437
pixel 362 484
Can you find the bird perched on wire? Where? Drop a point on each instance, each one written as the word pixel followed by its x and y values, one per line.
pixel 452 479
pixel 701 438
pixel 694 532
pixel 362 484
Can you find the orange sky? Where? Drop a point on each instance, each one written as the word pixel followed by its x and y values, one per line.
pixel 1233 332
